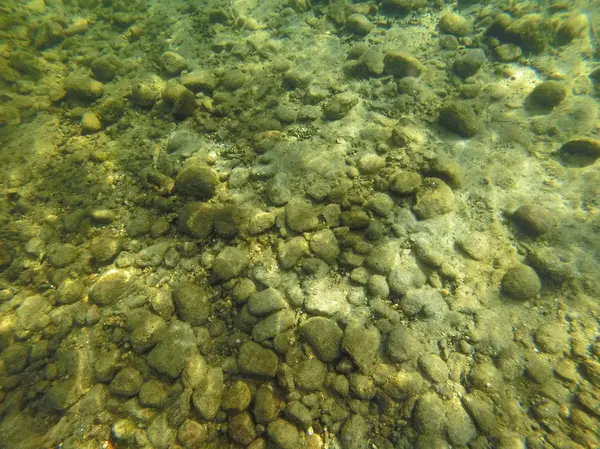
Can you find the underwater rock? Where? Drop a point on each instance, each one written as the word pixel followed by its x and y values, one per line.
pixel 230 262
pixel 401 64
pixel 196 180
pixel 255 360
pixel 209 393
pixel 90 123
pixel 144 94
pixel 299 414
pixel 70 291
pixel 237 398
pixel 402 345
pixel 126 383
pixel 548 94
pixel 310 374
pixel 324 336
pixel 284 434
pixel 147 331
pixel 575 26
pixel 199 81
pixel 459 117
pixel 325 245
pixel 470 63
pixel 580 152
pixel 192 303
pixel 300 215
pixel 531 32
pixel 339 106
pixel 241 429
pixel 175 347
pixel 534 219
pixel 111 287
pixel 106 67
pixel 266 301
pixel 521 282
pixel 192 434
pixel 291 251
pixel 15 358
pixel 434 198
pixel 403 6
pixel 358 24
pixel 173 63
pixel 508 52
pixel 354 433
pixel 405 182
pixel 83 87
pixel 362 344
pixel 111 110
pixel 455 24
pixel 105 249
pixel 185 105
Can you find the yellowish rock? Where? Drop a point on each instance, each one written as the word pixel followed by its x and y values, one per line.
pixel 90 123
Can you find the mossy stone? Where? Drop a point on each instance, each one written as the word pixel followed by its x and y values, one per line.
pixel 83 87
pixel 402 64
pixel 434 198
pixel 534 219
pixel 404 6
pixel 580 152
pixel 339 106
pixel 196 219
pixel 548 94
pixel 459 117
pixel 300 215
pixel 359 24
pixel 455 24
pixel 508 52
pixel 90 123
pixel 405 182
pixel 106 67
pixel 521 282
pixel 531 32
pixel 470 63
pixel 197 180
pixel 173 63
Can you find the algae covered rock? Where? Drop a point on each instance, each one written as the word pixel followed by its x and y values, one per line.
pixel 402 64
pixel 580 152
pixel 548 94
pixel 324 336
pixel 508 52
pixel 358 24
pixel 301 215
pixel 90 123
pixel 83 87
pixel 255 360
pixel 531 32
pixel 403 6
pixel 197 180
pixel 196 219
pixel 459 117
pixel 106 67
pixel 521 282
pixel 173 63
pixel 534 220
pixel 455 24
pixel 434 198
pixel 339 106
pixel 470 63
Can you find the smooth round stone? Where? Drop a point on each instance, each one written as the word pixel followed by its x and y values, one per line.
pixel 521 282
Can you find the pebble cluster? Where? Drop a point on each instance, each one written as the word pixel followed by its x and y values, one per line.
pixel 299 225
